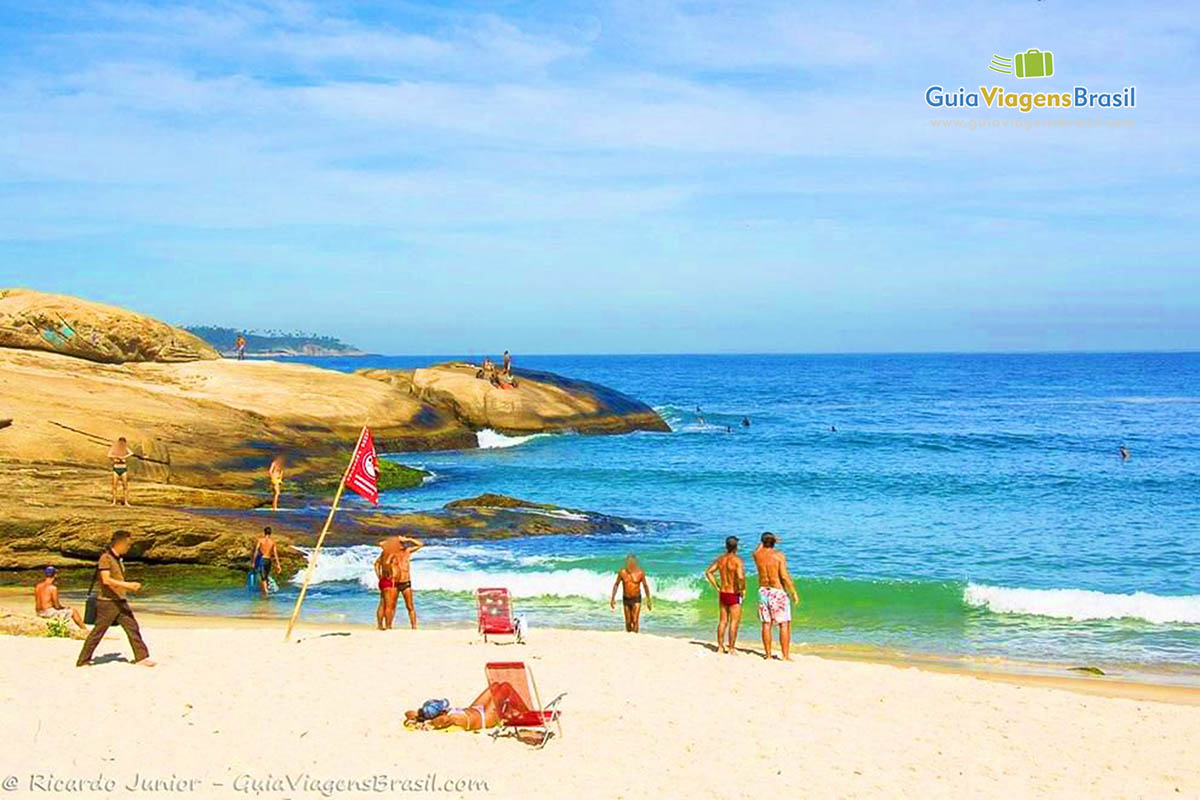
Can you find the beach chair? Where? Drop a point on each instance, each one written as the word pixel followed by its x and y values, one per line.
pixel 520 705
pixel 495 614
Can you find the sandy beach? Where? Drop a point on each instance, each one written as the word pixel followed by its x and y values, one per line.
pixel 232 710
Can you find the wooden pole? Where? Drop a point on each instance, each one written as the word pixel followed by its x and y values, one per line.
pixel 312 559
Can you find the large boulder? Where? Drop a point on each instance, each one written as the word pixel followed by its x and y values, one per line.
pixel 32 320
pixel 207 424
pixel 541 402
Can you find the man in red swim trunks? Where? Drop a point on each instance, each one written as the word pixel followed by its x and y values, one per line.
pixel 732 570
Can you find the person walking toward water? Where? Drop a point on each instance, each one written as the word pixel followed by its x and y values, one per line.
pixel 112 605
pixel 730 587
pixel 633 578
pixel 397 553
pixel 773 608
pixel 275 471
pixel 47 604
pixel 266 560
pixel 118 456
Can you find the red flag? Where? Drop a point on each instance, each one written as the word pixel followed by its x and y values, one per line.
pixel 361 475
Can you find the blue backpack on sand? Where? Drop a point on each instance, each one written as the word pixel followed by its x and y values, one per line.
pixel 433 708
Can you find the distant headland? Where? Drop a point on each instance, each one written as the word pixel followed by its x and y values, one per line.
pixel 267 344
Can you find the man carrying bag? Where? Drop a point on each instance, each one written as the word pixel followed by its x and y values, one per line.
pixel 111 605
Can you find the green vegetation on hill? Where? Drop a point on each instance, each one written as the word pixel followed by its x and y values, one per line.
pixel 271 341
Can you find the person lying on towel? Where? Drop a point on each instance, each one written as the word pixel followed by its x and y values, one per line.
pixel 485 711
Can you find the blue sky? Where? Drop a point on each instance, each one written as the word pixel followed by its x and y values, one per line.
pixel 604 177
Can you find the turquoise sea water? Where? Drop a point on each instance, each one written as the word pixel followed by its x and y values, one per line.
pixel 965 504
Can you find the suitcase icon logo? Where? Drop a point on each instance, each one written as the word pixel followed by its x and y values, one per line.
pixel 1033 63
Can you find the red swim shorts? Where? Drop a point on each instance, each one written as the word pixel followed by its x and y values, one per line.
pixel 730 598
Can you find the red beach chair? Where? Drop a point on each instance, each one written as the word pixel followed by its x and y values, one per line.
pixel 495 614
pixel 520 705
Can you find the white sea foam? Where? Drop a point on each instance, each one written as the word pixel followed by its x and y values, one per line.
pixel 491 440
pixel 1081 604
pixel 450 569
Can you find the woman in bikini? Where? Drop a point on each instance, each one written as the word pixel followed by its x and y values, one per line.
pixel 485 711
pixel 118 456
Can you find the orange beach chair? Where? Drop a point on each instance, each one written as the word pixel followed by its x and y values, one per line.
pixel 495 614
pixel 520 704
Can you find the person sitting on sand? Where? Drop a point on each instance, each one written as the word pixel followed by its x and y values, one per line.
pixel 46 602
pixel 399 551
pixel 729 593
pixel 118 456
pixel 265 559
pixel 773 608
pixel 275 472
pixel 485 711
pixel 633 578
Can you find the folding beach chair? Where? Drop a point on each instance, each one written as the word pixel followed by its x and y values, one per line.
pixel 520 706
pixel 495 614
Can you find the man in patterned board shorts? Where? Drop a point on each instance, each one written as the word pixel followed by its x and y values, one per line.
pixel 773 606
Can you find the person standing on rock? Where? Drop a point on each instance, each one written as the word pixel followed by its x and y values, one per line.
pixel 275 471
pixel 507 364
pixel 112 605
pixel 118 456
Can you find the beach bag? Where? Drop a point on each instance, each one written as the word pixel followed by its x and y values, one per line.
pixel 89 605
pixel 434 708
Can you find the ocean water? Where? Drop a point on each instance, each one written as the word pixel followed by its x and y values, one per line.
pixel 968 505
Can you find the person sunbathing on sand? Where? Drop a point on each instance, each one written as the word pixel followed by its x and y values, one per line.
pixel 485 711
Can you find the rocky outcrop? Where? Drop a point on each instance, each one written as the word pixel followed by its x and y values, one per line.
pixel 37 536
pixel 541 402
pixel 206 424
pixel 32 320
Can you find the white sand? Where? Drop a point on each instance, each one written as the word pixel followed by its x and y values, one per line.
pixel 645 717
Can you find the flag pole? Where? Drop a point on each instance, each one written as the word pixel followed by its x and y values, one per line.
pixel 312 559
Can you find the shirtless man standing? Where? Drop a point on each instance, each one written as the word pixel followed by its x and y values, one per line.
pixel 47 604
pixel 729 591
pixel 397 556
pixel 633 578
pixel 265 559
pixel 118 456
pixel 773 608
